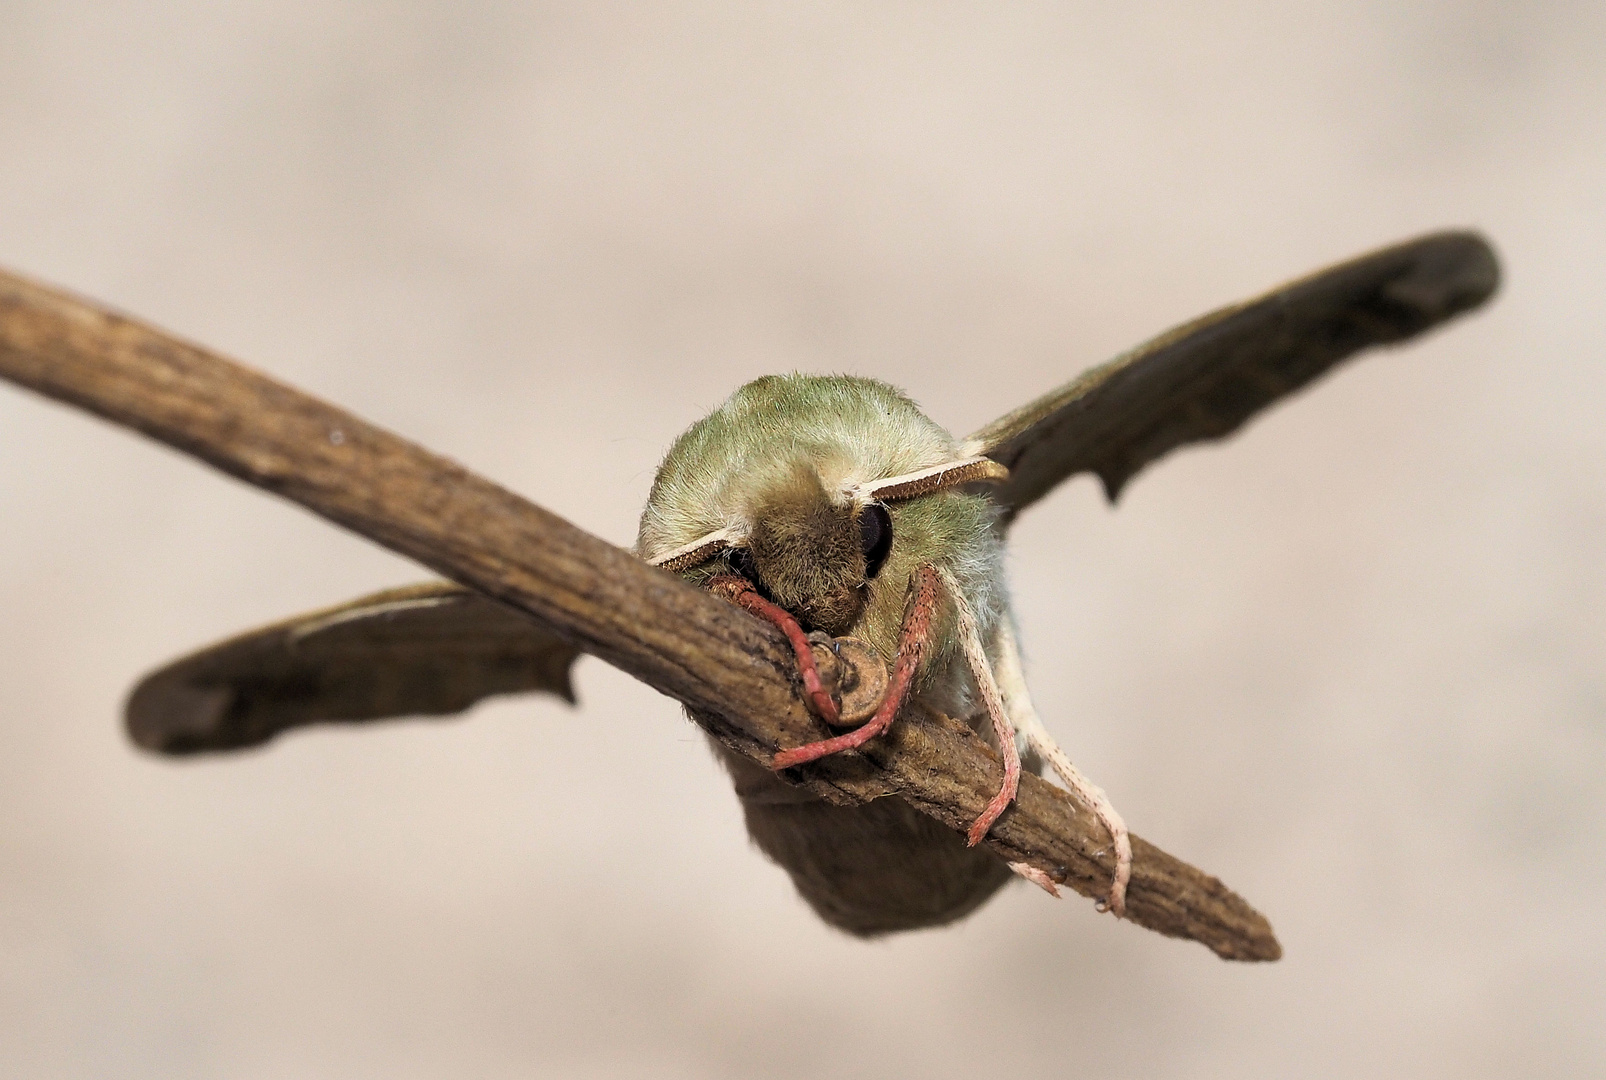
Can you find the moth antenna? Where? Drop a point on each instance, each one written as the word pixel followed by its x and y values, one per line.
pixel 1003 730
pixel 968 470
pixel 1024 716
pixel 695 553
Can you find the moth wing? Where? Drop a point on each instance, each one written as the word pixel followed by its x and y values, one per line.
pixel 1203 379
pixel 426 650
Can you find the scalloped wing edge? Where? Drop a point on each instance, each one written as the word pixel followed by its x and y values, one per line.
pixel 1204 379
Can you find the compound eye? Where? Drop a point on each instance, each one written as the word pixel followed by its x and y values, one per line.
pixel 743 563
pixel 875 537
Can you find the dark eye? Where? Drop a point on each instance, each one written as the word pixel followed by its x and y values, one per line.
pixel 742 562
pixel 875 536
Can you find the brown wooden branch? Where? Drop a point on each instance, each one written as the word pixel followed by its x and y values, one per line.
pixel 734 673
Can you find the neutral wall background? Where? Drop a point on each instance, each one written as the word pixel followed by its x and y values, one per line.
pixel 1354 662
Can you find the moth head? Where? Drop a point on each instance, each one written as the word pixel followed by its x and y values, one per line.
pixel 811 550
pixel 817 550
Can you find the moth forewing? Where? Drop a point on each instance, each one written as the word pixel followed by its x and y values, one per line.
pixel 1204 379
pixel 425 650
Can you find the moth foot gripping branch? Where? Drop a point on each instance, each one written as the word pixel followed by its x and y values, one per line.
pixel 1023 717
pixel 739 591
pixel 912 640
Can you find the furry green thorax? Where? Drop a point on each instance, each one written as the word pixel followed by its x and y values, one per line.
pixel 776 465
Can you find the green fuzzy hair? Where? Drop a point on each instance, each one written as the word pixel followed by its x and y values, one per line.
pixel 850 430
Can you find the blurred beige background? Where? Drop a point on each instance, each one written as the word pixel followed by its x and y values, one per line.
pixel 1354 662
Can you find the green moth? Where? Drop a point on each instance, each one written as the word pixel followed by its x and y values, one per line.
pixel 834 507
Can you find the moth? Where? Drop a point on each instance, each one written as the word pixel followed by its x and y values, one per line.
pixel 834 508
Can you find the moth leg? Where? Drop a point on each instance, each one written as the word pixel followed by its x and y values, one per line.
pixel 1036 877
pixel 912 638
pixel 1003 728
pixel 1025 719
pixel 739 591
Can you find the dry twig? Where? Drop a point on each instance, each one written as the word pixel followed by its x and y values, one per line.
pixel 733 672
